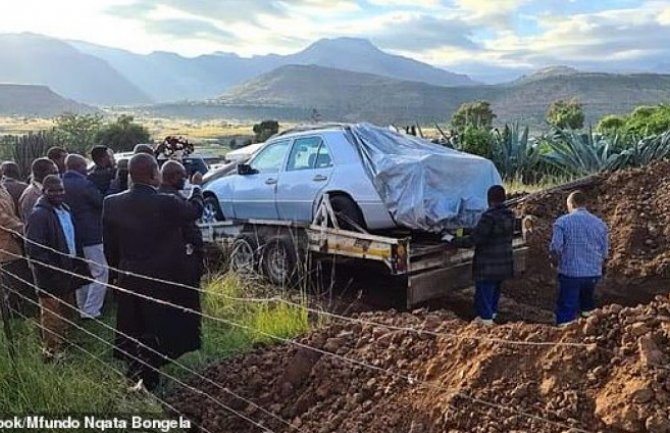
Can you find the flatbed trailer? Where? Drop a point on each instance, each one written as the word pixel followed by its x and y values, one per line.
pixel 426 267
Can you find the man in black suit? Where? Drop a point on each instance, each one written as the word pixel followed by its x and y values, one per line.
pixel 142 234
pixel 173 175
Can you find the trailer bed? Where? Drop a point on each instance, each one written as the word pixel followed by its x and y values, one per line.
pixel 427 268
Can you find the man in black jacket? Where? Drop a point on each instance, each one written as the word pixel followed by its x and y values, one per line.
pixel 142 233
pixel 174 178
pixel 51 225
pixel 85 202
pixel 493 261
pixel 103 173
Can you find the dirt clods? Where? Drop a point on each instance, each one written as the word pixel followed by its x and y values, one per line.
pixel 607 373
pixel 635 204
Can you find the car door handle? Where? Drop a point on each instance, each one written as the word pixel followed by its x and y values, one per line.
pixel 319 178
pixel 271 181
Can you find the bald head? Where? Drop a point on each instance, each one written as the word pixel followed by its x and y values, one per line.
pixel 173 174
pixel 74 162
pixel 143 169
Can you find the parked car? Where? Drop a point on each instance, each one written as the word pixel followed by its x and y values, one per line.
pixel 286 178
pixel 375 178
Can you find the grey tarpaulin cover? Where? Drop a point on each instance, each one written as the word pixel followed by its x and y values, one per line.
pixel 425 186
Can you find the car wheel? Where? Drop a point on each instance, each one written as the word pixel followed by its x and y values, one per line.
pixel 212 211
pixel 279 260
pixel 347 212
pixel 244 255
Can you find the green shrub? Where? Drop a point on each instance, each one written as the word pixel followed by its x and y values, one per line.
pixel 477 141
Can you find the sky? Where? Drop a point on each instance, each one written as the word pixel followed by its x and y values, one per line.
pixel 491 40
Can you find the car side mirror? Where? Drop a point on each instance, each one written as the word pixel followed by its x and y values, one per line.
pixel 245 169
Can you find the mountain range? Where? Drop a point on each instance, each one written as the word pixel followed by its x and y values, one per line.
pixel 40 101
pixel 170 77
pixel 342 79
pixel 33 59
pixel 293 92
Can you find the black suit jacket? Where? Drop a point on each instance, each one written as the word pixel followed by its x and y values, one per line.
pixel 142 230
pixel 142 233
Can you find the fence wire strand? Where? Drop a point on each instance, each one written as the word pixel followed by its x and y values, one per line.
pixel 409 379
pixel 275 299
pixel 101 361
pixel 145 363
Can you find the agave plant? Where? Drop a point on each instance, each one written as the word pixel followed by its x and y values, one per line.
pixel 516 155
pixel 580 154
pixel 645 151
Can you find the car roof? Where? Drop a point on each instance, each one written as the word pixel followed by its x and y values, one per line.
pixel 313 127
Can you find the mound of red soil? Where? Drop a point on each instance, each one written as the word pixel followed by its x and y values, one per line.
pixel 635 204
pixel 619 382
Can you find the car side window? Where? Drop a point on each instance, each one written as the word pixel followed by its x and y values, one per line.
pixel 304 154
pixel 323 159
pixel 270 159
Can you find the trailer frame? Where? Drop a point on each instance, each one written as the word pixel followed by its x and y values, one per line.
pixel 429 269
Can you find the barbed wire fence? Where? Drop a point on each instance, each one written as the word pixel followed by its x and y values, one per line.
pixel 406 378
pixel 320 312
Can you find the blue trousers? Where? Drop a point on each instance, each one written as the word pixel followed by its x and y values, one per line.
pixel 575 295
pixel 487 295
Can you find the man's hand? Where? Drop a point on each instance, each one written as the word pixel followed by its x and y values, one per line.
pixel 196 179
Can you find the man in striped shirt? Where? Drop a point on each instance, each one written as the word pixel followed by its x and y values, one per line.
pixel 579 248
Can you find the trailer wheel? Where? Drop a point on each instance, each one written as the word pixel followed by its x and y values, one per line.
pixel 244 254
pixel 346 212
pixel 279 260
pixel 212 211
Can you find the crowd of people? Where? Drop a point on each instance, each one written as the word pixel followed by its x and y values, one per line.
pixel 72 232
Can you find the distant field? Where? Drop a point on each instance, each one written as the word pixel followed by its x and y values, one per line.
pixel 195 130
pixel 23 125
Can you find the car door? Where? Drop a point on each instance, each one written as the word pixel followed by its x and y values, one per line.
pixel 308 169
pixel 254 195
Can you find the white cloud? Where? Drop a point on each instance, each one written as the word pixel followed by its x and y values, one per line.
pixel 457 34
pixel 428 4
pixel 492 12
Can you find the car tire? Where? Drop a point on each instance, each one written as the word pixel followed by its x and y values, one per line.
pixel 212 212
pixel 244 255
pixel 279 261
pixel 346 212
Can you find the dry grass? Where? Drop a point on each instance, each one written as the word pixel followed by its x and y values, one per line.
pixel 22 125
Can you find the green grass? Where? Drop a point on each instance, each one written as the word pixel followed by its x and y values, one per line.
pixel 80 384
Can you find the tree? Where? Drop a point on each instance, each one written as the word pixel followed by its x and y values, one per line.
pixel 77 131
pixel 265 130
pixel 566 114
pixel 649 120
pixel 477 114
pixel 477 141
pixel 123 134
pixel 611 124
